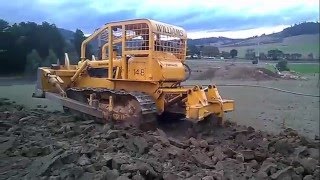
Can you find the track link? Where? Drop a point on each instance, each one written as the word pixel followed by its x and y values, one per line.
pixel 147 105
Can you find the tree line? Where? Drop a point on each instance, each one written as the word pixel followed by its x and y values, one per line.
pixel 210 51
pixel 27 45
pixel 302 28
pixel 275 54
pixel 203 51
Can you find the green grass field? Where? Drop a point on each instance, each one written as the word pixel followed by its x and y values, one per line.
pixel 299 68
pixel 304 68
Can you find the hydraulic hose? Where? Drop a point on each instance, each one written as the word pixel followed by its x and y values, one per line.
pixel 272 88
pixel 189 72
pixel 186 78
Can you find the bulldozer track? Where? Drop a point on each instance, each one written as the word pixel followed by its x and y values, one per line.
pixel 146 102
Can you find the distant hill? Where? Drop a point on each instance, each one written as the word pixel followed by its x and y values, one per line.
pixel 301 29
pixel 295 30
pixel 302 44
pixel 67 34
pixel 213 41
pixel 300 38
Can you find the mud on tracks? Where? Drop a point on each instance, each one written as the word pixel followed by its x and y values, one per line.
pixel 36 144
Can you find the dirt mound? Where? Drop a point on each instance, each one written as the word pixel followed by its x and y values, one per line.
pixel 36 144
pixel 235 72
pixel 204 75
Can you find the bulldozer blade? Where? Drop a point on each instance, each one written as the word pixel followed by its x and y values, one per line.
pixel 76 105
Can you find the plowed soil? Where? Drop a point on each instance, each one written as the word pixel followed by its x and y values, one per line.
pixel 37 144
pixel 234 72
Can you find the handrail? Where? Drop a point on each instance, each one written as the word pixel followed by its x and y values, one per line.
pixel 86 41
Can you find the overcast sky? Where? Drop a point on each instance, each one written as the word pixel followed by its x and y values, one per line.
pixel 201 18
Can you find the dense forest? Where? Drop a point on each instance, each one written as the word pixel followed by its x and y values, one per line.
pixel 27 45
pixel 303 28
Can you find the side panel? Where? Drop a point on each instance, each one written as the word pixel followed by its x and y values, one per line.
pixel 172 70
pixel 137 69
pixel 156 69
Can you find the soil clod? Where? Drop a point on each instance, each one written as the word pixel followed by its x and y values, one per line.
pixel 40 144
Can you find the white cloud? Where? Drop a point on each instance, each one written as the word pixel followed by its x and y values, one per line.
pixel 221 17
pixel 237 34
pixel 167 7
pixel 241 7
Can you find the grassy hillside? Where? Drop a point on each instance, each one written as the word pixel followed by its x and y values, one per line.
pixel 303 44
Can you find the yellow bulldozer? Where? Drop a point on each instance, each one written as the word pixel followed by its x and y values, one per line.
pixel 135 77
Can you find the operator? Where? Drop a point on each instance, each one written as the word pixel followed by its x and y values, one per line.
pixel 145 44
pixel 157 44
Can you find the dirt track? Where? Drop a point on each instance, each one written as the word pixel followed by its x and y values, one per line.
pixel 36 144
